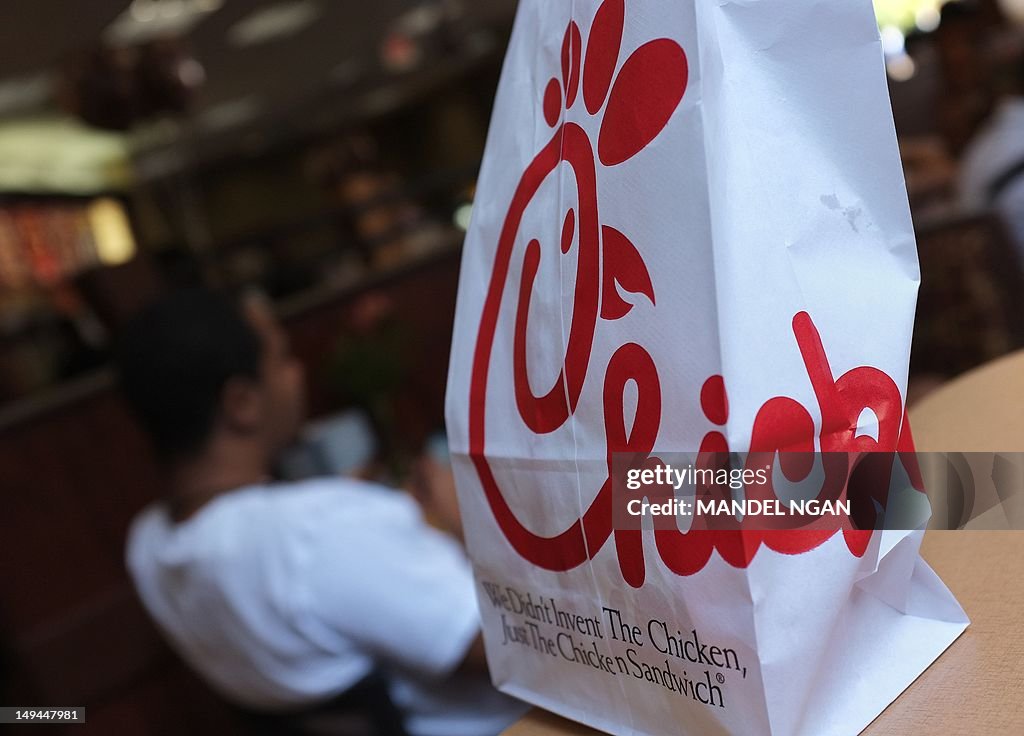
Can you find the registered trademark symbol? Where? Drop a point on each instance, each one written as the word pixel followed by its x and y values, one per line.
pixel 720 677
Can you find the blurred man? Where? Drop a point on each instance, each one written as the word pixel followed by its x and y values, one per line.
pixel 992 172
pixel 284 596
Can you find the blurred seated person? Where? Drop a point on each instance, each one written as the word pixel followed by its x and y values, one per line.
pixel 930 173
pixel 992 169
pixel 284 595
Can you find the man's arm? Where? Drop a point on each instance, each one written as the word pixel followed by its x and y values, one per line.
pixel 396 587
pixel 433 487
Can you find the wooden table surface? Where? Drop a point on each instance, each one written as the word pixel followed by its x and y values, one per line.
pixel 977 685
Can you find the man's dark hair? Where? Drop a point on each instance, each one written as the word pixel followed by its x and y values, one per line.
pixel 174 359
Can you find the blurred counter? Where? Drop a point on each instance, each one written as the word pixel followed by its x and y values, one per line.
pixel 975 685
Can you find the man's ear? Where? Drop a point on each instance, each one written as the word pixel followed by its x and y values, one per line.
pixel 242 405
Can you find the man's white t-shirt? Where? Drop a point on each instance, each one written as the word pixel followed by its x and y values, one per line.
pixel 285 595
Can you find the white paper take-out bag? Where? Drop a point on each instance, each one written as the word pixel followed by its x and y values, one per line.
pixel 690 232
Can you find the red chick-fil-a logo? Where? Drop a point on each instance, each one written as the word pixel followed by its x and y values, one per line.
pixel 637 104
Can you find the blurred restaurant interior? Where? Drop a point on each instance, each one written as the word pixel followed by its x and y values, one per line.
pixel 325 153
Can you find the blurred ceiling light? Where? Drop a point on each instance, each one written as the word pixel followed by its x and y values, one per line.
pixel 906 14
pixel 61 155
pixel 272 22
pixel 461 216
pixel 18 94
pixel 144 20
pixel 400 52
pixel 892 41
pixel 927 18
pixel 401 49
pixel 143 11
pixel 230 114
pixel 421 20
pixel 111 232
pixel 900 68
pixel 191 72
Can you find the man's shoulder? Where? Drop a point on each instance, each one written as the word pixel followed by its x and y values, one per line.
pixel 278 510
pixel 359 500
pixel 293 525
pixel 279 501
pixel 337 515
